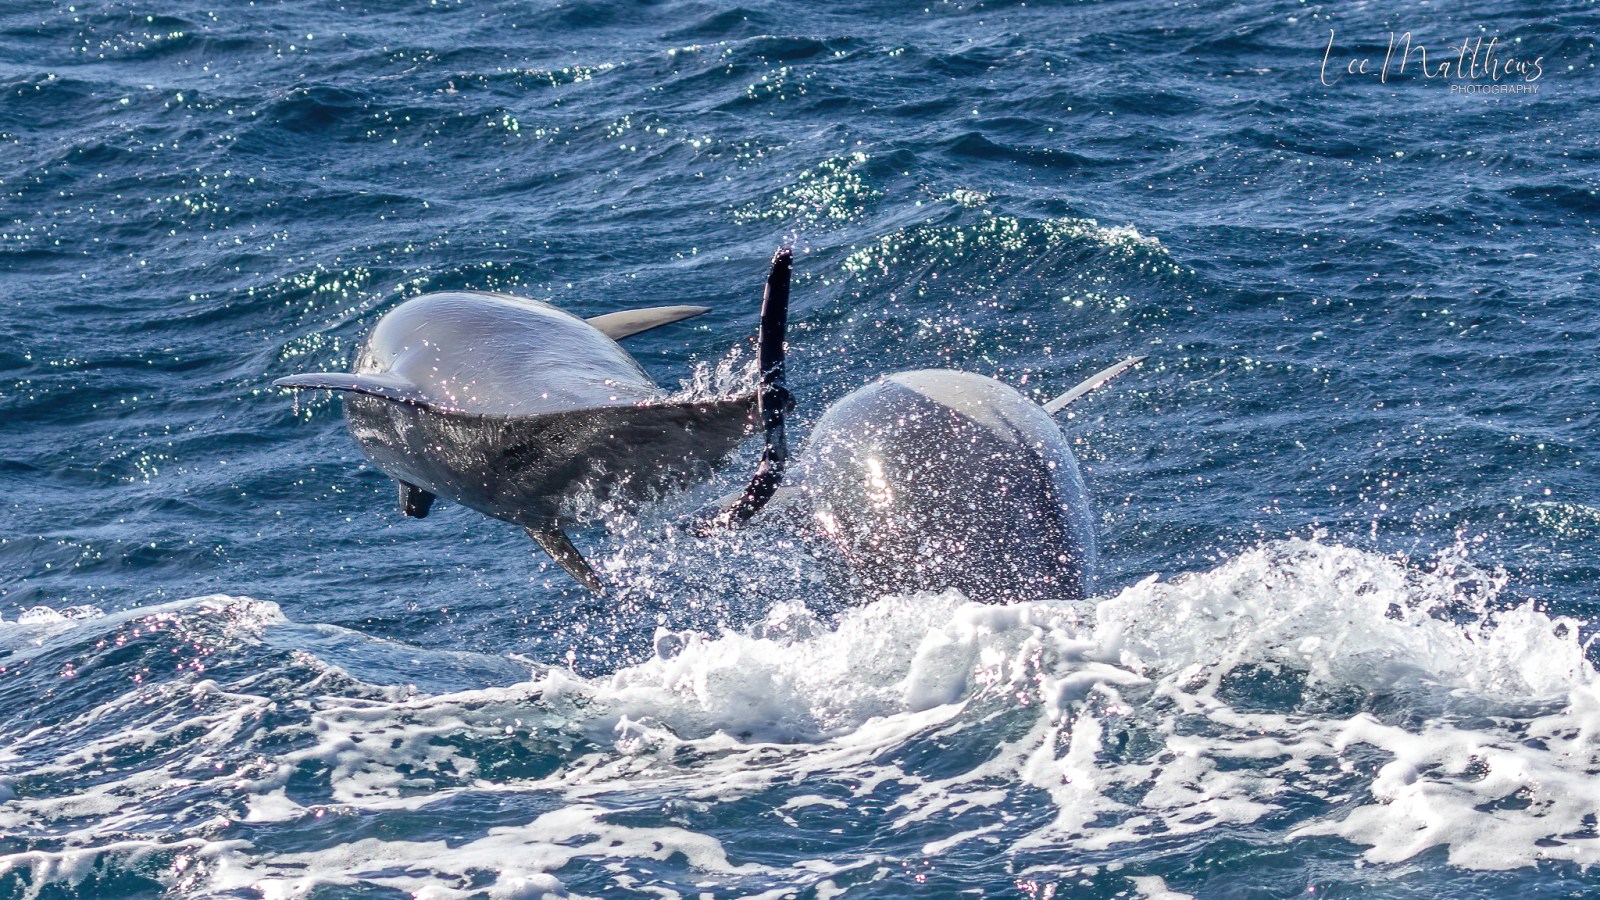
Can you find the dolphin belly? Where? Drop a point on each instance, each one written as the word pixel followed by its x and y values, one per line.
pixel 936 479
pixel 531 470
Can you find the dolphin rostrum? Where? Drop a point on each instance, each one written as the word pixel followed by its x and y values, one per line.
pixel 934 479
pixel 518 409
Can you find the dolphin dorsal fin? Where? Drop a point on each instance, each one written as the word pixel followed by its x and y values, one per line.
pixel 382 384
pixel 1093 381
pixel 629 322
pixel 555 542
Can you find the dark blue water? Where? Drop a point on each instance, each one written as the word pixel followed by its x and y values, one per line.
pixel 1341 642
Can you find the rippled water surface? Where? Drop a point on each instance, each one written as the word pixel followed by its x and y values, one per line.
pixel 1341 640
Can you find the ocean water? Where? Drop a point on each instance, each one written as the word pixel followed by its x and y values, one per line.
pixel 1342 639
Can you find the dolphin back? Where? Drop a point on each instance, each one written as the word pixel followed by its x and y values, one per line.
pixel 501 355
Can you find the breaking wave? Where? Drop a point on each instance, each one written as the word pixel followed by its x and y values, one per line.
pixel 1301 690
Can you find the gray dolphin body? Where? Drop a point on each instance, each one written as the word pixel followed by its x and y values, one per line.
pixel 934 479
pixel 515 408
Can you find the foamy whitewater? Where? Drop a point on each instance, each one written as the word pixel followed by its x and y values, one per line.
pixel 1406 711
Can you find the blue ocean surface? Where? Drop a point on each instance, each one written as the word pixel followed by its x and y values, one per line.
pixel 1341 642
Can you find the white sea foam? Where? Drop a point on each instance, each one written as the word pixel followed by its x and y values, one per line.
pixel 1407 708
pixel 730 374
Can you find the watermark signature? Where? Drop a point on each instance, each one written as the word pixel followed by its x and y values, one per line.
pixel 1474 66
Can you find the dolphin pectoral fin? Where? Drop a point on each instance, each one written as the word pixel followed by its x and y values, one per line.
pixel 629 322
pixel 1093 381
pixel 555 542
pixel 414 501
pixel 389 387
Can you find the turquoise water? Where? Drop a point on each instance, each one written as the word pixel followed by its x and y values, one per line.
pixel 1342 639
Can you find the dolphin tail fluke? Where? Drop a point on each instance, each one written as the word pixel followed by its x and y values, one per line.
pixel 414 501
pixel 1093 381
pixel 786 502
pixel 555 542
pixel 773 400
pixel 389 387
pixel 629 322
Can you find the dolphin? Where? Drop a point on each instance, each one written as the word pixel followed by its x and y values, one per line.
pixel 933 479
pixel 518 409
